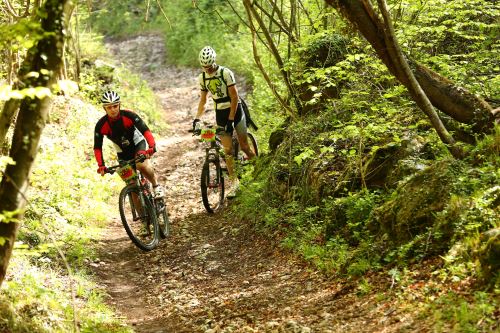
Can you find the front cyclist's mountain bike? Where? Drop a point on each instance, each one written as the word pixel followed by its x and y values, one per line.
pixel 144 217
pixel 214 167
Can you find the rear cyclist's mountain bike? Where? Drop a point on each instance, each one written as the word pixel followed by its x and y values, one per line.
pixel 214 167
pixel 144 217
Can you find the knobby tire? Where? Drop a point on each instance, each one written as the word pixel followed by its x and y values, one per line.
pixel 212 186
pixel 252 143
pixel 162 217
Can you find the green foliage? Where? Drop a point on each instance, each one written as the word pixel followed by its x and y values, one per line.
pixel 211 23
pixel 324 49
pixel 38 299
pixel 459 39
pixel 119 18
pixel 69 203
pixel 464 314
pixel 21 35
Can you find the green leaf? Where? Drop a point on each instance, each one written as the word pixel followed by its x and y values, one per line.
pixel 8 217
pixel 307 153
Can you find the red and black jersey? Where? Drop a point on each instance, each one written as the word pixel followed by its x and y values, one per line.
pixel 125 132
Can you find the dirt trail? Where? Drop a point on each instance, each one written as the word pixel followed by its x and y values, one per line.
pixel 214 274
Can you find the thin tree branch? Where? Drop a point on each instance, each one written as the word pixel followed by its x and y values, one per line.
pixel 237 14
pixel 275 53
pixel 283 25
pixel 13 12
pixel 306 12
pixel 261 67
pixel 195 5
pixel 164 14
pixel 414 87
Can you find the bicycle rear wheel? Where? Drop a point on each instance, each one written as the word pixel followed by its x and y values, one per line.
pixel 162 217
pixel 252 142
pixel 139 221
pixel 212 186
pixel 238 154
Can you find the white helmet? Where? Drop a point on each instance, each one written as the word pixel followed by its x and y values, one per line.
pixel 207 56
pixel 110 97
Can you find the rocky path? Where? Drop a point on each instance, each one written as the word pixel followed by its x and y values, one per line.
pixel 215 274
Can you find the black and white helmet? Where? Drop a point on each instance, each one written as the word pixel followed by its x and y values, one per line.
pixel 207 56
pixel 110 97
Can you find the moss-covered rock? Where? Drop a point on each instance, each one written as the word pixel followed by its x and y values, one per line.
pixel 416 202
pixel 394 161
pixel 322 51
pixel 489 255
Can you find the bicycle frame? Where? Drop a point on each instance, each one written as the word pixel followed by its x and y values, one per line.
pixel 129 173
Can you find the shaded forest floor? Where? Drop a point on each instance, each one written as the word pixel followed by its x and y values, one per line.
pixel 216 274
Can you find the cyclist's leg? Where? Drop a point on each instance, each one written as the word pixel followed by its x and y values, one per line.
pixel 147 170
pixel 241 131
pixel 227 143
pixel 222 117
pixel 145 167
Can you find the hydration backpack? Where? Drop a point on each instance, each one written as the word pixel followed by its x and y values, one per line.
pixel 244 106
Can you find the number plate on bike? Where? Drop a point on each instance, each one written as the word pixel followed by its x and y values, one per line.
pixel 127 172
pixel 207 135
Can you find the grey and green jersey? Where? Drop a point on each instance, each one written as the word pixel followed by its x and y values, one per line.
pixel 217 83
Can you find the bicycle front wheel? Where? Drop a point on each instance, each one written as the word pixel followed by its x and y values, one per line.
pixel 138 220
pixel 162 216
pixel 212 186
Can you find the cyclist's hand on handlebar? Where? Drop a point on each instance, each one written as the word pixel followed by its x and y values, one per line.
pixel 142 153
pixel 150 152
pixel 196 125
pixel 102 170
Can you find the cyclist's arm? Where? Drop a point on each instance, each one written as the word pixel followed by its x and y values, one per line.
pixel 142 127
pixel 98 139
pixel 233 93
pixel 202 103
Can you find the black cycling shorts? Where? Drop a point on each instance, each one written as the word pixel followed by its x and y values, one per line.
pixel 130 152
pixel 221 116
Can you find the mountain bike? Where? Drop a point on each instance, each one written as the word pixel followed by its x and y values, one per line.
pixel 214 168
pixel 144 217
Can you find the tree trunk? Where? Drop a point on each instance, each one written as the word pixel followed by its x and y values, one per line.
pixel 44 58
pixel 455 101
pixel 8 114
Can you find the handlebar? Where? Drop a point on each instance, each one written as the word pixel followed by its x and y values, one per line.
pixel 218 130
pixel 138 159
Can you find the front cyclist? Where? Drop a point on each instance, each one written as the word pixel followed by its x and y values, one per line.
pixel 220 82
pixel 129 135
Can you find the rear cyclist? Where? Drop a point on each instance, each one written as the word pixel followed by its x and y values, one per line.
pixel 129 135
pixel 228 112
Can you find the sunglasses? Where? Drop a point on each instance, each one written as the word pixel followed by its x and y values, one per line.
pixel 112 106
